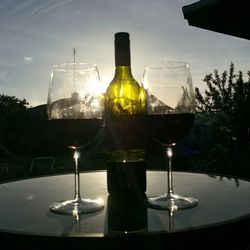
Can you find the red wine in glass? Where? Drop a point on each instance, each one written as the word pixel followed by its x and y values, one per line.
pixel 75 133
pixel 170 108
pixel 74 110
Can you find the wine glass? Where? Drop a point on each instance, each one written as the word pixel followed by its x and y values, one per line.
pixel 171 113
pixel 75 110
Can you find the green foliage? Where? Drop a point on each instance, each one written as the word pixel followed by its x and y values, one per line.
pixel 226 105
pixel 11 104
pixel 227 93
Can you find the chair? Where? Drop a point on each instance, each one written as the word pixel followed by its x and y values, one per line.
pixel 35 162
pixel 12 156
pixel 43 160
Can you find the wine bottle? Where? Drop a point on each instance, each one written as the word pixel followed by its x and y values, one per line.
pixel 125 107
pixel 126 214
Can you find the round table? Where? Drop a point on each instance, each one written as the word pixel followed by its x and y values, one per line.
pixel 223 207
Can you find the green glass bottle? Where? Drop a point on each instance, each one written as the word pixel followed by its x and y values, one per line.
pixel 126 214
pixel 125 107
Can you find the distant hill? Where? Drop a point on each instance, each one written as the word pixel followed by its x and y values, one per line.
pixel 27 132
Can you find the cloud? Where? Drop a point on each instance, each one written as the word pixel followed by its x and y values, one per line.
pixel 3 75
pixel 28 59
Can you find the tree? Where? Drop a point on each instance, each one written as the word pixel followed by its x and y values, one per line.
pixel 229 94
pixel 11 104
pixel 225 103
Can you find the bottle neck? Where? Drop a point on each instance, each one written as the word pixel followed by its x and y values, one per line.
pixel 122 61
pixel 123 72
pixel 122 55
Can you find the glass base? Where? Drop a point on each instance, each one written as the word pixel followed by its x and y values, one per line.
pixel 171 202
pixel 77 206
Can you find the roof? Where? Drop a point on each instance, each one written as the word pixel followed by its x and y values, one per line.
pixel 223 16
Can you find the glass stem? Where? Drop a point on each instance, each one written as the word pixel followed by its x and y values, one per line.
pixel 78 224
pixel 171 220
pixel 169 154
pixel 77 174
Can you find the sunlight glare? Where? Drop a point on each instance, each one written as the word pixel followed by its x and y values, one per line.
pixel 76 155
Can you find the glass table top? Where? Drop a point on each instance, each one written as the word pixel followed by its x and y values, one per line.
pixel 25 205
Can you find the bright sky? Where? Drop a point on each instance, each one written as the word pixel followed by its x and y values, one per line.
pixel 36 34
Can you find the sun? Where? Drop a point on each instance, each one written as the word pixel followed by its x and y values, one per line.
pixel 99 86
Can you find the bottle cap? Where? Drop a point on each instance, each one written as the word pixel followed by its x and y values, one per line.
pixel 122 38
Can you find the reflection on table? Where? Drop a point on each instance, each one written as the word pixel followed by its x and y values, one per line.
pixel 24 207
